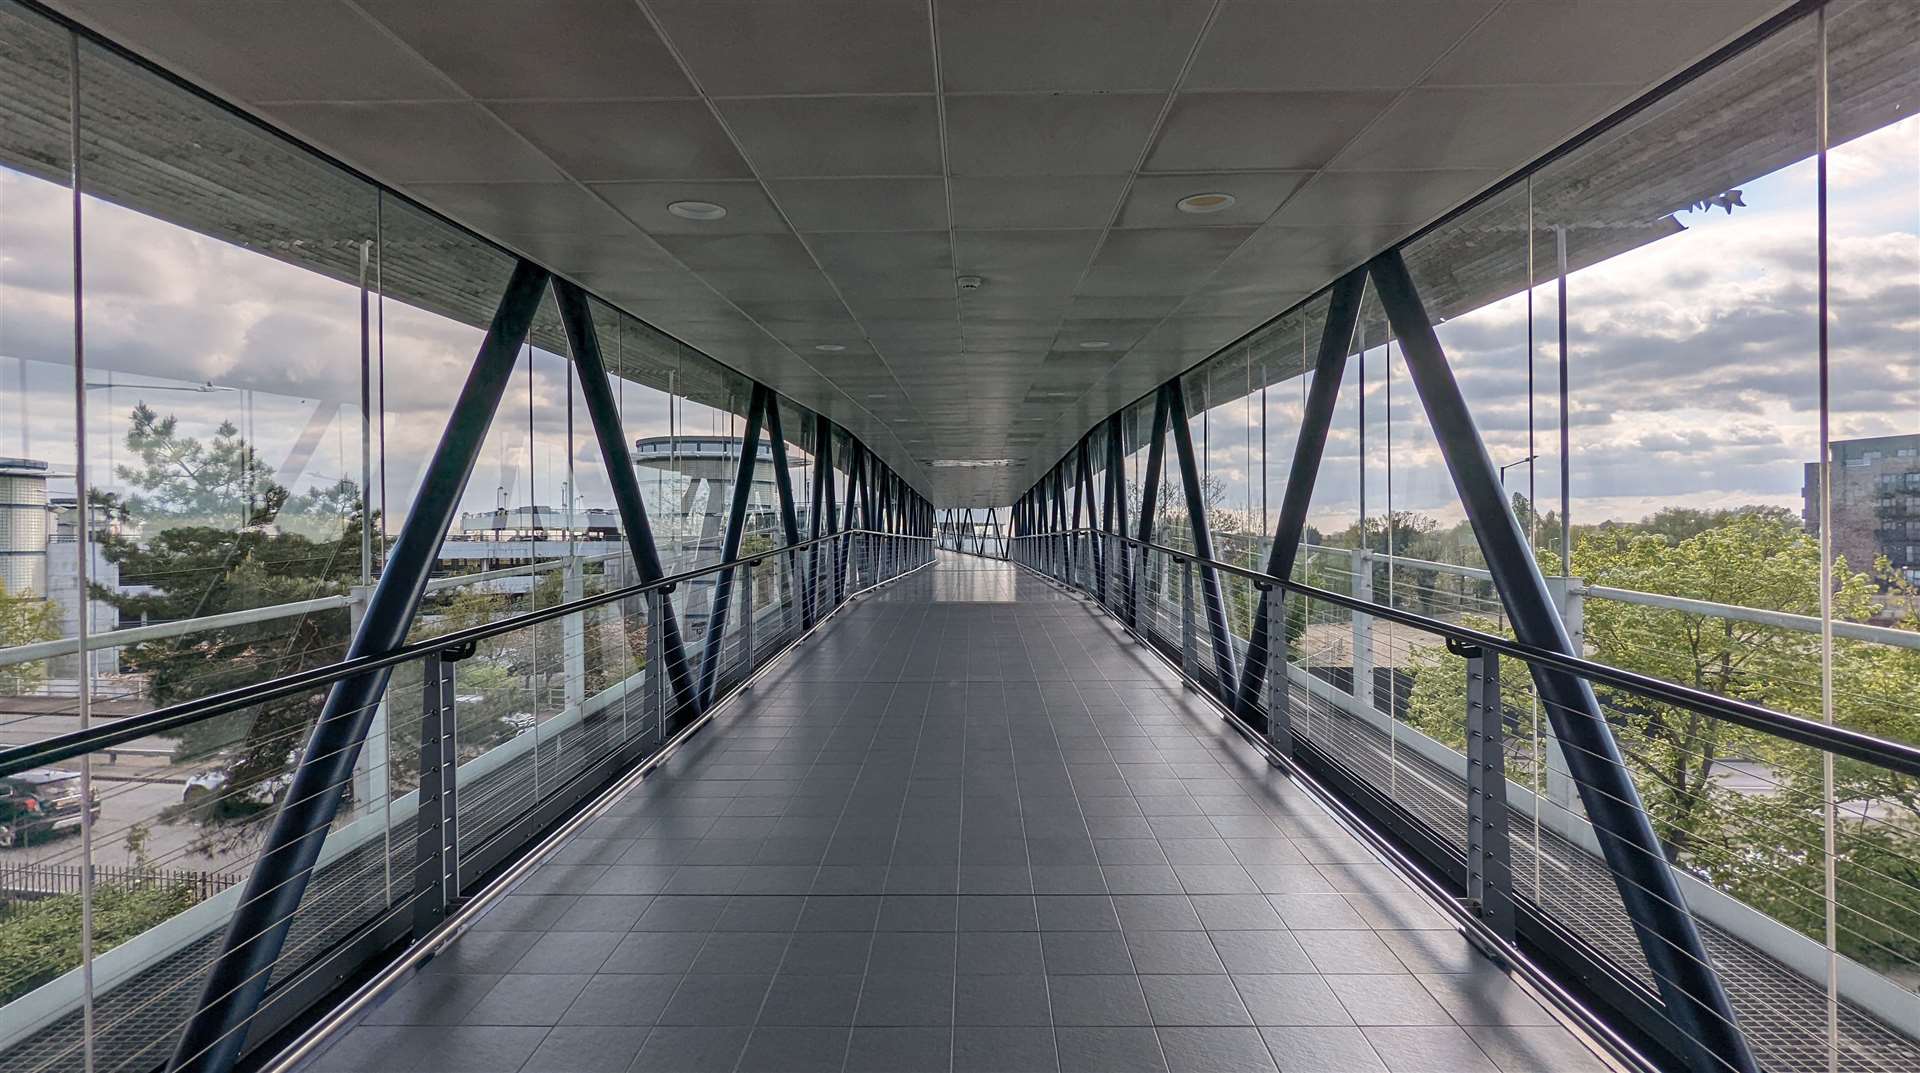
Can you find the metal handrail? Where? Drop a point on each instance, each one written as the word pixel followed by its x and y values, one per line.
pixel 75 743
pixel 1840 741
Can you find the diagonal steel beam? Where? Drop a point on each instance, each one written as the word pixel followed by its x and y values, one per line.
pixel 1689 986
pixel 711 642
pixel 783 490
pixel 1330 364
pixel 603 412
pixel 238 979
pixel 1216 608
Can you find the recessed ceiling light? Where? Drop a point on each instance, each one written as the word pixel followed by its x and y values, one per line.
pixel 828 348
pixel 1201 204
pixel 969 283
pixel 1094 344
pixel 697 210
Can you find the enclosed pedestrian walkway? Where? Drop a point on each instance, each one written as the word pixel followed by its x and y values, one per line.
pixel 971 826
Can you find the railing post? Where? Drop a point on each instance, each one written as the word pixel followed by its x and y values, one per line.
pixel 1489 856
pixel 1278 694
pixel 573 637
pixel 746 621
pixel 436 825
pixel 1362 627
pixel 1186 623
pixel 657 689
pixel 1137 591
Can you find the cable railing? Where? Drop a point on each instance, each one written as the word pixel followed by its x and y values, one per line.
pixel 487 737
pixel 1794 840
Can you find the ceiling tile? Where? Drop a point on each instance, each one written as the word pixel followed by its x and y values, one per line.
pixel 1087 45
pixel 1477 127
pixel 768 252
pixel 1026 262
pixel 1631 41
pixel 552 208
pixel 1067 134
pixel 885 251
pixel 750 47
pixel 863 204
pixel 1035 201
pixel 604 141
pixel 271 50
pixel 749 210
pixel 412 142
pixel 1330 44
pixel 1376 198
pixel 858 287
pixel 1272 131
pixel 788 137
pixel 1154 199
pixel 1185 250
pixel 1088 307
pixel 759 284
pixel 558 48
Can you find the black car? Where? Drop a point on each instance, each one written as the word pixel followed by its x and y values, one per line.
pixel 39 802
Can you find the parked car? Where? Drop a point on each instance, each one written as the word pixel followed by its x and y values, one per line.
pixel 45 801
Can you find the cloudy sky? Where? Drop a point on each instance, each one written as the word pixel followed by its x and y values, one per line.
pixel 209 332
pixel 1693 362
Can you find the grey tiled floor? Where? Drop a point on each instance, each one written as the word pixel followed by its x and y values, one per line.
pixel 966 829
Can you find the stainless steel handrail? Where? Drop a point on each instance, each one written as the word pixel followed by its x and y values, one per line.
pixel 1840 741
pixel 66 746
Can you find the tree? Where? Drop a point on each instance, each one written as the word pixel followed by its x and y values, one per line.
pixel 25 619
pixel 1761 846
pixel 218 549
pixel 219 483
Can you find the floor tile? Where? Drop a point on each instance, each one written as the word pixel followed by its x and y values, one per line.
pixel 1097 1000
pixel 1215 1050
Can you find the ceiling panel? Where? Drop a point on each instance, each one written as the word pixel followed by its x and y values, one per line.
pixel 867 152
pixel 752 47
pixel 548 57
pixel 1093 46
pixel 749 209
pixel 1066 134
pixel 1035 200
pixel 1311 44
pixel 808 137
pixel 862 204
pixel 605 141
pixel 1215 131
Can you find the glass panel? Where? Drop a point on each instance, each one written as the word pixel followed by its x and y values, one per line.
pixel 1873 262
pixel 39 588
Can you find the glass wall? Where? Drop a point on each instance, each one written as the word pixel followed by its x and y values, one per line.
pixel 1692 349
pixel 224 365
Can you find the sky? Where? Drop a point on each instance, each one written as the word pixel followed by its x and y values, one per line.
pixel 1692 364
pixel 1692 361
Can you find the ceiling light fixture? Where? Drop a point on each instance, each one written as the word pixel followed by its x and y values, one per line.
pixel 969 283
pixel 828 348
pixel 1094 344
pixel 697 210
pixel 1202 204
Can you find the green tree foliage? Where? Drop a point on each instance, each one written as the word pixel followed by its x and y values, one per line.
pixel 1740 809
pixel 25 619
pixel 40 939
pixel 212 517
